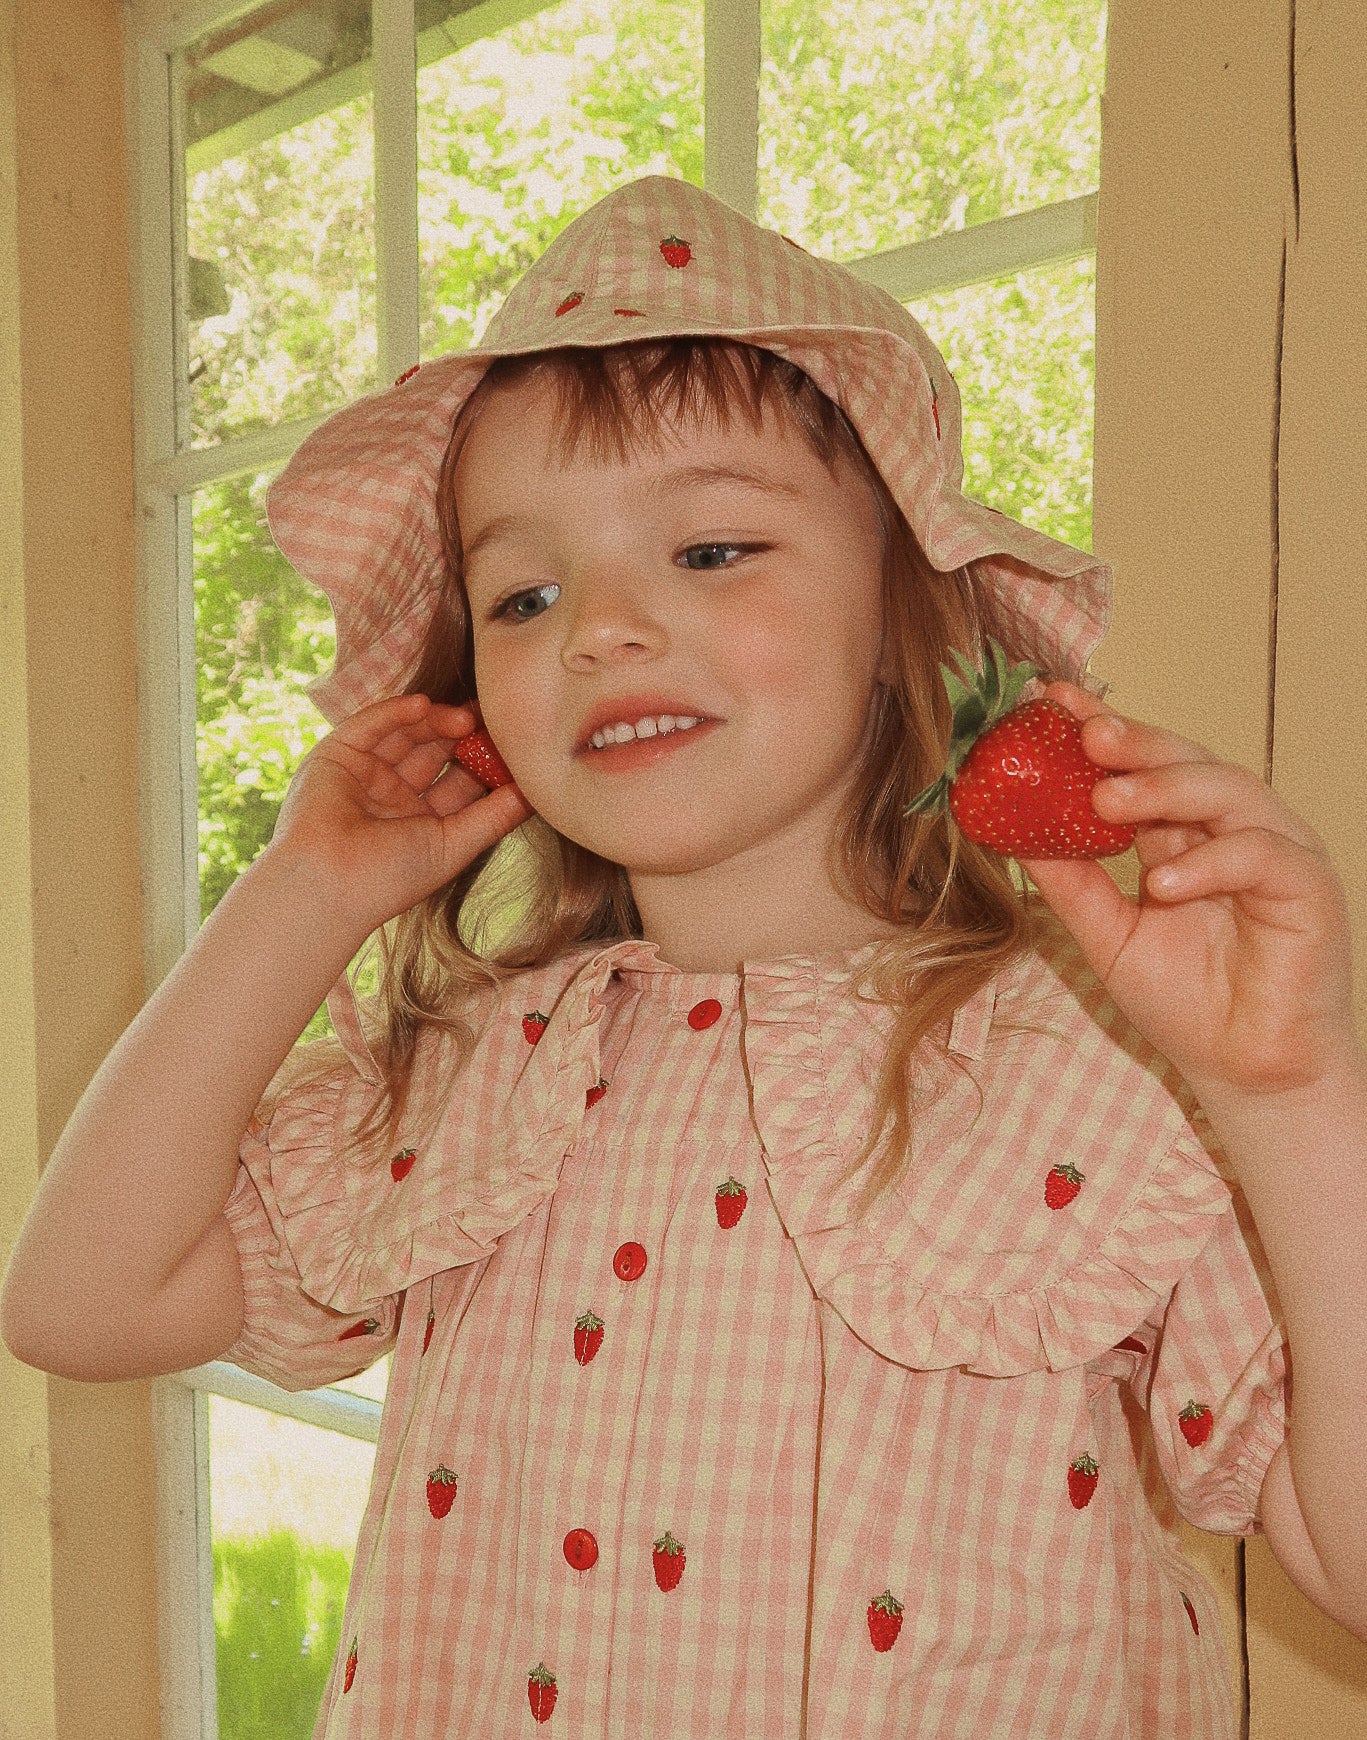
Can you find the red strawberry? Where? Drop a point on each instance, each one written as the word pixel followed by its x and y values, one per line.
pixel 1191 1613
pixel 369 1327
pixel 676 251
pixel 885 1620
pixel 541 1691
pixel 669 1561
pixel 402 1163
pixel 1082 1481
pixel 592 1097
pixel 534 1025
pixel 1017 779
pixel 441 1490
pixel 1196 1421
pixel 731 1201
pixel 571 301
pixel 427 1333
pixel 588 1337
pixel 350 1668
pixel 476 753
pixel 1062 1185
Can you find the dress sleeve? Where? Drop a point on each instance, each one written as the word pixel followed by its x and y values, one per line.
pixel 331 1231
pixel 1216 1380
pixel 287 1335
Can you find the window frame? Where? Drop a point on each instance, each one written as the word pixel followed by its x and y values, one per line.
pixel 166 475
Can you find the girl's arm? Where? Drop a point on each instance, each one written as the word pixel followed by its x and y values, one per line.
pixel 125 1266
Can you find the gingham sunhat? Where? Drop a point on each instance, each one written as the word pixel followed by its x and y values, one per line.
pixel 355 509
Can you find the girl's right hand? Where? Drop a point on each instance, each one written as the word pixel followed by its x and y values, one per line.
pixel 367 810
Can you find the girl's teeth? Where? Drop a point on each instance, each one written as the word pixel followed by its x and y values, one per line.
pixel 666 723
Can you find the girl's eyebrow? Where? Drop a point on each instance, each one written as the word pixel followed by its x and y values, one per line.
pixel 666 483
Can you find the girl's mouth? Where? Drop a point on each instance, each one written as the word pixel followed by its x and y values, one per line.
pixel 644 751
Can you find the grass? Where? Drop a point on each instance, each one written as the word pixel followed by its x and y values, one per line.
pixel 278 1617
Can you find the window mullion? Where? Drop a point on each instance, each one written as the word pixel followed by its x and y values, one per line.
pixel 984 252
pixel 394 63
pixel 731 62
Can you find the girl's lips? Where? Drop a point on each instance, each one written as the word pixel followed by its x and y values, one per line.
pixel 644 751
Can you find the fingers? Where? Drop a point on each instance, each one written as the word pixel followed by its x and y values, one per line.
pixel 390 728
pixel 484 822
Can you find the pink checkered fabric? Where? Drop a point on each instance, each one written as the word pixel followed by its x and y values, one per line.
pixel 924 1467
pixel 354 510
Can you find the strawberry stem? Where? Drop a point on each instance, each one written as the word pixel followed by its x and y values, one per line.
pixel 979 701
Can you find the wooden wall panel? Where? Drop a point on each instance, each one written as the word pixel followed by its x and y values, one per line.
pixel 1230 415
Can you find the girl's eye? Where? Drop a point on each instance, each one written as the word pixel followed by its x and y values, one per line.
pixel 508 608
pixel 707 548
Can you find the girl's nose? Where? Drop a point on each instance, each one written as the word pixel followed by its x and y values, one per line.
pixel 610 616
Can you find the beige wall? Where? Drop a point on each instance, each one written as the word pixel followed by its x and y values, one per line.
pixel 1211 555
pixel 1230 434
pixel 77 1597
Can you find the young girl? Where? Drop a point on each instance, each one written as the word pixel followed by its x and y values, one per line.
pixel 818 1273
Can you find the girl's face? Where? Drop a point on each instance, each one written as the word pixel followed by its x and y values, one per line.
pixel 673 583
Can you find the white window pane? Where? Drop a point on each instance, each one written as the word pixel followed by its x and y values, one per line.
pixel 286 1501
pixel 1023 353
pixel 280 219
pixel 884 122
pixel 521 131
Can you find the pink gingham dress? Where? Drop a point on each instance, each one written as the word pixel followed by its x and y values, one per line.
pixel 675 1447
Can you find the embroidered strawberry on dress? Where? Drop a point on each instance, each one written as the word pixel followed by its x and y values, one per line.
pixel 588 1336
pixel 1062 1185
pixel 369 1327
pixel 441 1490
pixel 731 1201
pixel 534 1025
pixel 1191 1613
pixel 402 1163
pixel 885 1620
pixel 1196 1421
pixel 427 1333
pixel 541 1691
pixel 669 1561
pixel 1082 1476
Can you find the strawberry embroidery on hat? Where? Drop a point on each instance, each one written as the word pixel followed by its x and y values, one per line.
pixel 427 1333
pixel 885 1620
pixel 571 301
pixel 669 1561
pixel 541 1691
pixel 731 1201
pixel 935 409
pixel 402 1163
pixel 441 1490
pixel 1082 1476
pixel 1062 1185
pixel 350 1668
pixel 534 1025
pixel 588 1336
pixel 676 251
pixel 1191 1611
pixel 638 312
pixel 407 375
pixel 1196 1421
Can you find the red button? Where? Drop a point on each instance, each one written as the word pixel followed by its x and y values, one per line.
pixel 629 1262
pixel 704 1014
pixel 581 1550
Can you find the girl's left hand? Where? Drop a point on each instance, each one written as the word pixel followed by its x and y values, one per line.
pixel 1240 973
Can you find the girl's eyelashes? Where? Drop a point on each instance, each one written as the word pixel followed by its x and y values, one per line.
pixel 508 610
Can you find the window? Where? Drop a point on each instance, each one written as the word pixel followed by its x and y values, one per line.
pixel 332 190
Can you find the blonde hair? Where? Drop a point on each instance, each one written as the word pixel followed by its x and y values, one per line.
pixel 965 917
